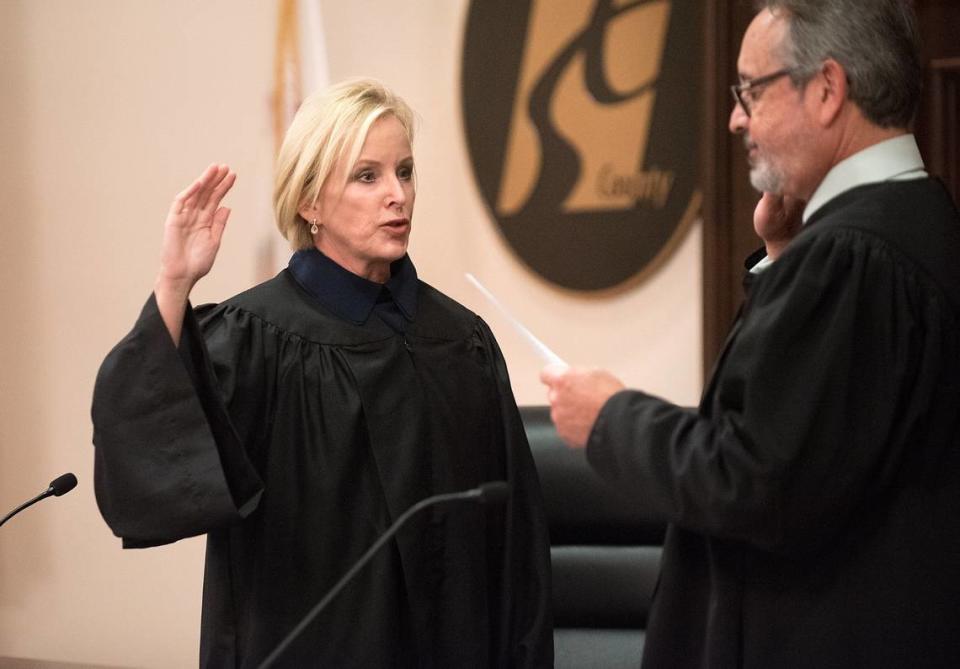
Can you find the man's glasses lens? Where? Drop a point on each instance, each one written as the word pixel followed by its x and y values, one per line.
pixel 738 90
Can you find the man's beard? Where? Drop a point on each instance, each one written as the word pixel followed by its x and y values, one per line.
pixel 764 176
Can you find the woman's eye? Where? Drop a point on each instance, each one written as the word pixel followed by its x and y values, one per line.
pixel 366 176
pixel 405 173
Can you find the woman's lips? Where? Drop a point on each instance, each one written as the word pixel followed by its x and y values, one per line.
pixel 398 225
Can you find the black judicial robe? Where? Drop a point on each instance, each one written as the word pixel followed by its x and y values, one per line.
pixel 293 439
pixel 814 497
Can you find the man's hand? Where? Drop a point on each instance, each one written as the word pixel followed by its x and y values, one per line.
pixel 576 397
pixel 777 219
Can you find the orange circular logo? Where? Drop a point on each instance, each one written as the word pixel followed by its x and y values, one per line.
pixel 583 126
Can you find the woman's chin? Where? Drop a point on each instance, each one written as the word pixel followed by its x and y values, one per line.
pixel 394 249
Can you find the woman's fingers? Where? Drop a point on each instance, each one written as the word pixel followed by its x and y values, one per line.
pixel 220 190
pixel 182 199
pixel 186 198
pixel 200 193
pixel 219 223
pixel 206 191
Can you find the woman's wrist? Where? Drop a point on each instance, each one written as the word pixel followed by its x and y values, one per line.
pixel 173 288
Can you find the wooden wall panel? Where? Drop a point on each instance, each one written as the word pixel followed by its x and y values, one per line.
pixel 728 235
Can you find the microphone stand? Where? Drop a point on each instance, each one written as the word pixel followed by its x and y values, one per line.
pixel 493 492
pixel 24 506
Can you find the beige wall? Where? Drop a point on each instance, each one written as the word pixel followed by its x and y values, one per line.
pixel 108 108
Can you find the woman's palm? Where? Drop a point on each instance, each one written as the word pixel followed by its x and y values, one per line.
pixel 194 226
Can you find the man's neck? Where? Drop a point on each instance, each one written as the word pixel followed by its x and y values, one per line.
pixel 856 133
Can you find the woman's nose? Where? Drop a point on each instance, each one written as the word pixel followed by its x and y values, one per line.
pixel 397 195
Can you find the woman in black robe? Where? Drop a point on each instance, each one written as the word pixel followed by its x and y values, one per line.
pixel 295 422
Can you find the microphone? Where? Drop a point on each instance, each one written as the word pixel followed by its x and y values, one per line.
pixel 58 486
pixel 492 492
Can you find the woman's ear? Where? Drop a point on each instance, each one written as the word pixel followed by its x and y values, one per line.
pixel 309 212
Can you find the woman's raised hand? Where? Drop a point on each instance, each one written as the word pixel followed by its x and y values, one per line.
pixel 194 227
pixel 191 239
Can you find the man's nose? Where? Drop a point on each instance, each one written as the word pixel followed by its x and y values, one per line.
pixel 738 119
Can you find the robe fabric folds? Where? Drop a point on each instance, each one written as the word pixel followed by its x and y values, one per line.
pixel 293 438
pixel 814 497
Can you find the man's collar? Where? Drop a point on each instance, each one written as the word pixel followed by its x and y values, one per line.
pixel 350 296
pixel 890 160
pixel 758 261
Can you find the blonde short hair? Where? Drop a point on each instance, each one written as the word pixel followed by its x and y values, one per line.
pixel 330 126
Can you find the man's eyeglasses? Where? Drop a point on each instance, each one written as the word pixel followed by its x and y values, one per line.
pixel 746 91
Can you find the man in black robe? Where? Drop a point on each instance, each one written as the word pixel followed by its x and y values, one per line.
pixel 814 497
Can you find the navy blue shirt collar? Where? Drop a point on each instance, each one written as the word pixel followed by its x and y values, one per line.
pixel 352 297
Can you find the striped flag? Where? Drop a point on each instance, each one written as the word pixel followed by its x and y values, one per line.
pixel 299 69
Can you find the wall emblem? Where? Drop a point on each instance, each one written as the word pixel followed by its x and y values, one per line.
pixel 582 120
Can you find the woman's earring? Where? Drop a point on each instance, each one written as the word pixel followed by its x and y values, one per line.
pixel 314 229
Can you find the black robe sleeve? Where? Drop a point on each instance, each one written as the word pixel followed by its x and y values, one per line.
pixel 528 622
pixel 810 413
pixel 168 464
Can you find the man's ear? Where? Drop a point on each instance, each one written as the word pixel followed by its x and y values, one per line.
pixel 830 89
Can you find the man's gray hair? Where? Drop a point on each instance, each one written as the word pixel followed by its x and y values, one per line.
pixel 876 42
